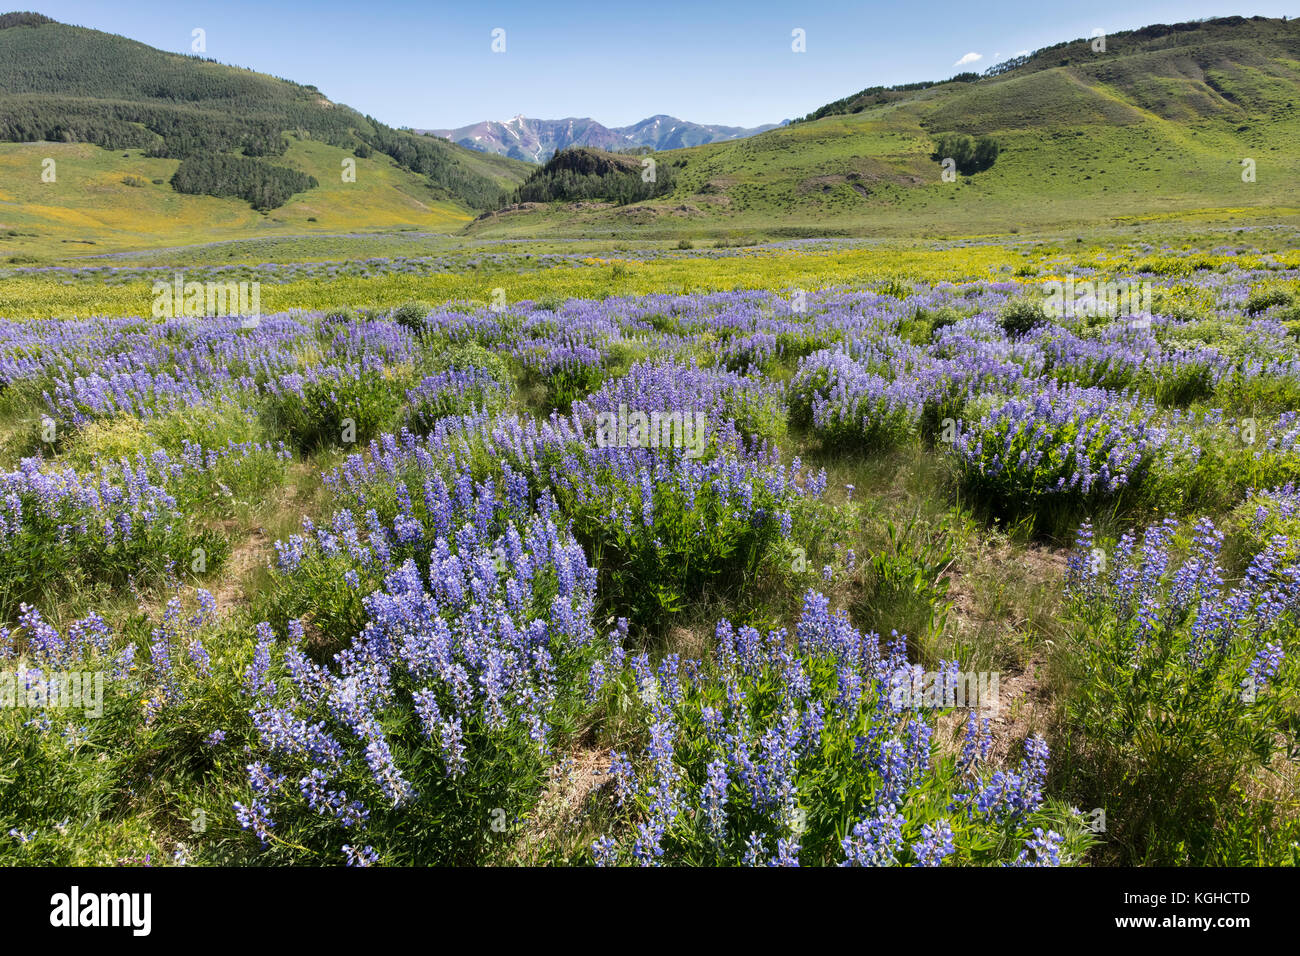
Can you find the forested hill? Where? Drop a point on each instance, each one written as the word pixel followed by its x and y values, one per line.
pixel 70 84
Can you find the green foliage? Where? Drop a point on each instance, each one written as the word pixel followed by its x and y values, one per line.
pixel 584 174
pixel 348 406
pixel 261 184
pixel 1266 297
pixel 699 545
pixel 410 315
pixel 1019 316
pixel 903 583
pixel 970 154
pixel 1255 524
pixel 567 383
pixel 76 785
pixel 1167 729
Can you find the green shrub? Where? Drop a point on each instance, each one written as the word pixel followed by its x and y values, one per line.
pixel 410 315
pixel 1183 690
pixel 1019 316
pixel 336 406
pixel 1264 298
pixel 971 155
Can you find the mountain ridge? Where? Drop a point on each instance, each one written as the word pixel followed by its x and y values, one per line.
pixel 537 140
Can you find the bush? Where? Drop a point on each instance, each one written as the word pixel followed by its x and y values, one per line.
pixel 333 405
pixel 411 315
pixel 1266 297
pixel 1183 689
pixel 819 752
pixel 849 405
pixel 454 392
pixel 970 154
pixel 433 728
pixel 1019 316
pixel 1053 452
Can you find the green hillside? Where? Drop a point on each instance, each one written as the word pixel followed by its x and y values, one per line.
pixel 232 133
pixel 579 173
pixel 92 208
pixel 1157 125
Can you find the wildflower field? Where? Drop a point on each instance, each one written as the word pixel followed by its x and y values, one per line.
pixel 804 553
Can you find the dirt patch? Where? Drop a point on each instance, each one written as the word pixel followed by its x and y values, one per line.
pixel 1024 702
pixel 252 553
pixel 505 210
pixel 558 819
pixel 637 213
pixel 965 577
pixel 1024 709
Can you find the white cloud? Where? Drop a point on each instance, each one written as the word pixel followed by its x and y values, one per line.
pixel 1023 53
pixel 969 58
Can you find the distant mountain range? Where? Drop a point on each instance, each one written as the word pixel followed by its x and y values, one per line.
pixel 537 140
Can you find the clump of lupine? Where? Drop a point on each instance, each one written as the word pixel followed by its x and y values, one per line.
pixel 138 394
pixel 848 403
pixel 819 749
pixel 733 405
pixel 423 739
pixel 453 392
pixel 669 530
pixel 662 523
pixel 132 518
pixel 1056 446
pixel 1128 354
pixel 1186 686
pixel 336 405
pixel 77 705
pixel 568 366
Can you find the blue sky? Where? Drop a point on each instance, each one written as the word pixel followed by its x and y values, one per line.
pixel 430 64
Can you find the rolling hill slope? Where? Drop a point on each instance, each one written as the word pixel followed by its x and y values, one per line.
pixel 156 112
pixel 1158 125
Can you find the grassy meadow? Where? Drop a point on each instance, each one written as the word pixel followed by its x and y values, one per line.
pixel 224 518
